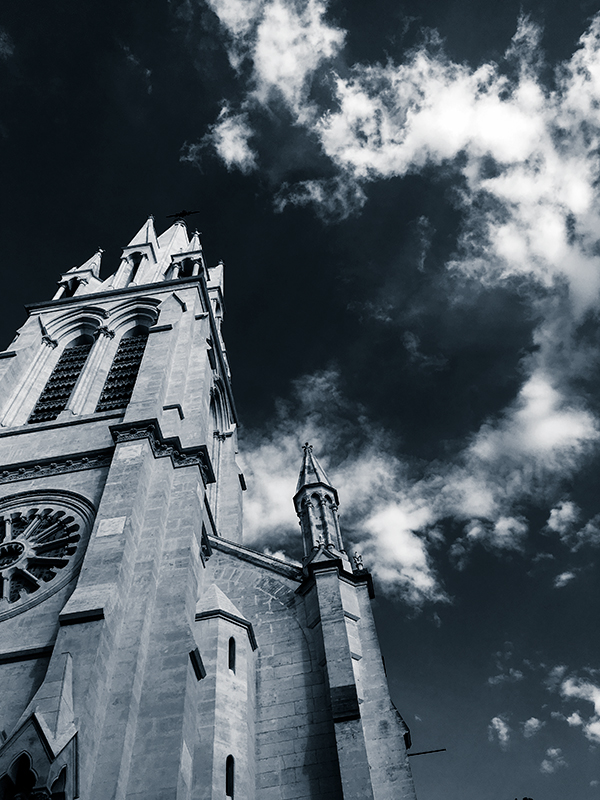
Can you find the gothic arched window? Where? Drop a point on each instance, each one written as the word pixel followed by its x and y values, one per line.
pixel 229 777
pixel 59 386
pixel 121 378
pixel 231 654
pixel 19 782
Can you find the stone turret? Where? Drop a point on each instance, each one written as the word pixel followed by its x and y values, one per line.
pixel 316 502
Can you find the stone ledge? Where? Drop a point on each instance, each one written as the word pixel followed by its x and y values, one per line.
pixel 87 604
pixel 258 559
pixel 243 623
pixel 162 448
pixel 336 564
pixel 26 654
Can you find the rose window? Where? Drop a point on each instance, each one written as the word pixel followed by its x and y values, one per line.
pixel 39 547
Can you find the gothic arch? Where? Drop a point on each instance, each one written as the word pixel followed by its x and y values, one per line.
pixel 74 322
pixel 49 779
pixel 140 311
pixel 219 415
pixel 74 328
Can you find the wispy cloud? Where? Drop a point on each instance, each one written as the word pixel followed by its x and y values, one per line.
pixel 7 47
pixel 138 67
pixel 511 676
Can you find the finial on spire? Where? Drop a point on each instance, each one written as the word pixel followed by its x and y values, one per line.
pixel 311 472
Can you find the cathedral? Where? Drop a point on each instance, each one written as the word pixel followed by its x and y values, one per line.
pixel 145 651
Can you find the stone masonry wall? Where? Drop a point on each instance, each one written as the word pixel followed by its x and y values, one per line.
pixel 296 752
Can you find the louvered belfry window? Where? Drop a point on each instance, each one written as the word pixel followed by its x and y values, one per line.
pixel 61 383
pixel 123 372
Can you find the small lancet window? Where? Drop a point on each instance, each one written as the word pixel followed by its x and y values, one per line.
pixel 70 287
pixel 231 654
pixel 136 260
pixel 229 776
pixel 59 386
pixel 123 373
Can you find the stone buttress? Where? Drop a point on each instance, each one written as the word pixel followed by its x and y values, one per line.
pixel 145 652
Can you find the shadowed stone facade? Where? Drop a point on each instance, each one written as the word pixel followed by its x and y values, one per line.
pixel 145 652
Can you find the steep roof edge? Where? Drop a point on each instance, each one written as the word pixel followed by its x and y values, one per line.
pixel 258 559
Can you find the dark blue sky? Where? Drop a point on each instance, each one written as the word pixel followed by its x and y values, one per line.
pixel 405 197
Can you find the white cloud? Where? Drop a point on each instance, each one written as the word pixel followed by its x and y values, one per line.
pixel 577 688
pixel 532 726
pixel 554 760
pixel 399 555
pixel 237 16
pixel 229 136
pixel 527 167
pixel 292 40
pixel 582 689
pixel 564 521
pixel 563 517
pixel 499 731
pixel 286 41
pixel 563 579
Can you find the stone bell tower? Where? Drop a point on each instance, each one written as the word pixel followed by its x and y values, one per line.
pixel 145 651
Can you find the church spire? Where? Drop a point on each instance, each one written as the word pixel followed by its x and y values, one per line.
pixel 316 502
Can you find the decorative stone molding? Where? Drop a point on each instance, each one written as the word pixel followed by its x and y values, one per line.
pixel 162 448
pixel 73 463
pixel 106 332
pixel 46 338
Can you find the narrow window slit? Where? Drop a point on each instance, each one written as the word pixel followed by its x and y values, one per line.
pixel 232 654
pixel 229 776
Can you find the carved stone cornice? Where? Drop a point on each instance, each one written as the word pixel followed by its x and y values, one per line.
pixel 162 448
pixel 55 466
